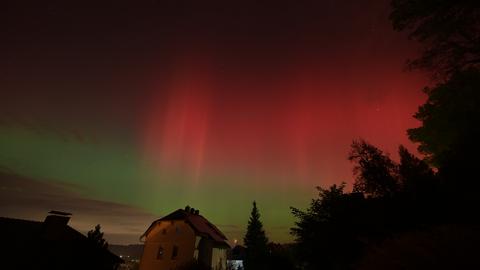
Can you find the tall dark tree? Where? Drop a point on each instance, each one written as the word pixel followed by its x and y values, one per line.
pixel 416 176
pixel 422 200
pixel 449 32
pixel 450 119
pixel 96 236
pixel 449 137
pixel 326 233
pixel 256 242
pixel 376 174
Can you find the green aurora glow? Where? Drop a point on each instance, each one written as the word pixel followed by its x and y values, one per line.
pixel 116 172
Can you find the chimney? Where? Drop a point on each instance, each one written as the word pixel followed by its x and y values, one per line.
pixel 187 208
pixel 197 212
pixel 57 218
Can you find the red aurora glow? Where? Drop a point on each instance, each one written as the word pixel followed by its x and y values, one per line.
pixel 209 119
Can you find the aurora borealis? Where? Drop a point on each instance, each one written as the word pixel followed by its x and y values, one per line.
pixel 152 105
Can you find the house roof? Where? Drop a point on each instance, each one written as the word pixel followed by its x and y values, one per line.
pixel 199 224
pixel 50 245
pixel 20 229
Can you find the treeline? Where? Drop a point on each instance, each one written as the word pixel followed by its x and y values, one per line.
pixel 418 213
pixel 342 230
pixel 395 208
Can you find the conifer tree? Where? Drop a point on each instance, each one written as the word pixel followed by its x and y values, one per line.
pixel 256 242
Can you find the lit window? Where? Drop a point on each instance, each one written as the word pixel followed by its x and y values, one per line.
pixel 160 253
pixel 174 252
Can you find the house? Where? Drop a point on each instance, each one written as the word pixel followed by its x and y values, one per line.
pixel 181 238
pixel 50 244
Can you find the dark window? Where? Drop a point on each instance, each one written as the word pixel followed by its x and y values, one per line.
pixel 164 231
pixel 160 253
pixel 174 252
pixel 177 230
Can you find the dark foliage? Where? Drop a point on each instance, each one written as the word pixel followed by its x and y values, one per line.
pixel 337 228
pixel 449 136
pixel 256 242
pixel 449 32
pixel 325 232
pixel 421 193
pixel 441 247
pixel 96 236
pixel 450 119
pixel 280 257
pixel 375 173
pixel 416 176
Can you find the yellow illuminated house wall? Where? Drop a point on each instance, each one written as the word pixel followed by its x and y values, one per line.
pixel 166 235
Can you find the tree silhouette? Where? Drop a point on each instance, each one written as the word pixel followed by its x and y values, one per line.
pixel 255 241
pixel 326 233
pixel 96 236
pixel 449 136
pixel 448 30
pixel 416 176
pixel 450 34
pixel 281 257
pixel 338 227
pixel 375 172
pixel 449 118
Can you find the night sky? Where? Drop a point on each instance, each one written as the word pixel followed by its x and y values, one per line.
pixel 123 111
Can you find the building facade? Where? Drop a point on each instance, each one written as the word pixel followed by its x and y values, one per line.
pixel 182 238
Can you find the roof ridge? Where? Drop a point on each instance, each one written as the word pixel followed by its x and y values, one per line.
pixel 199 224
